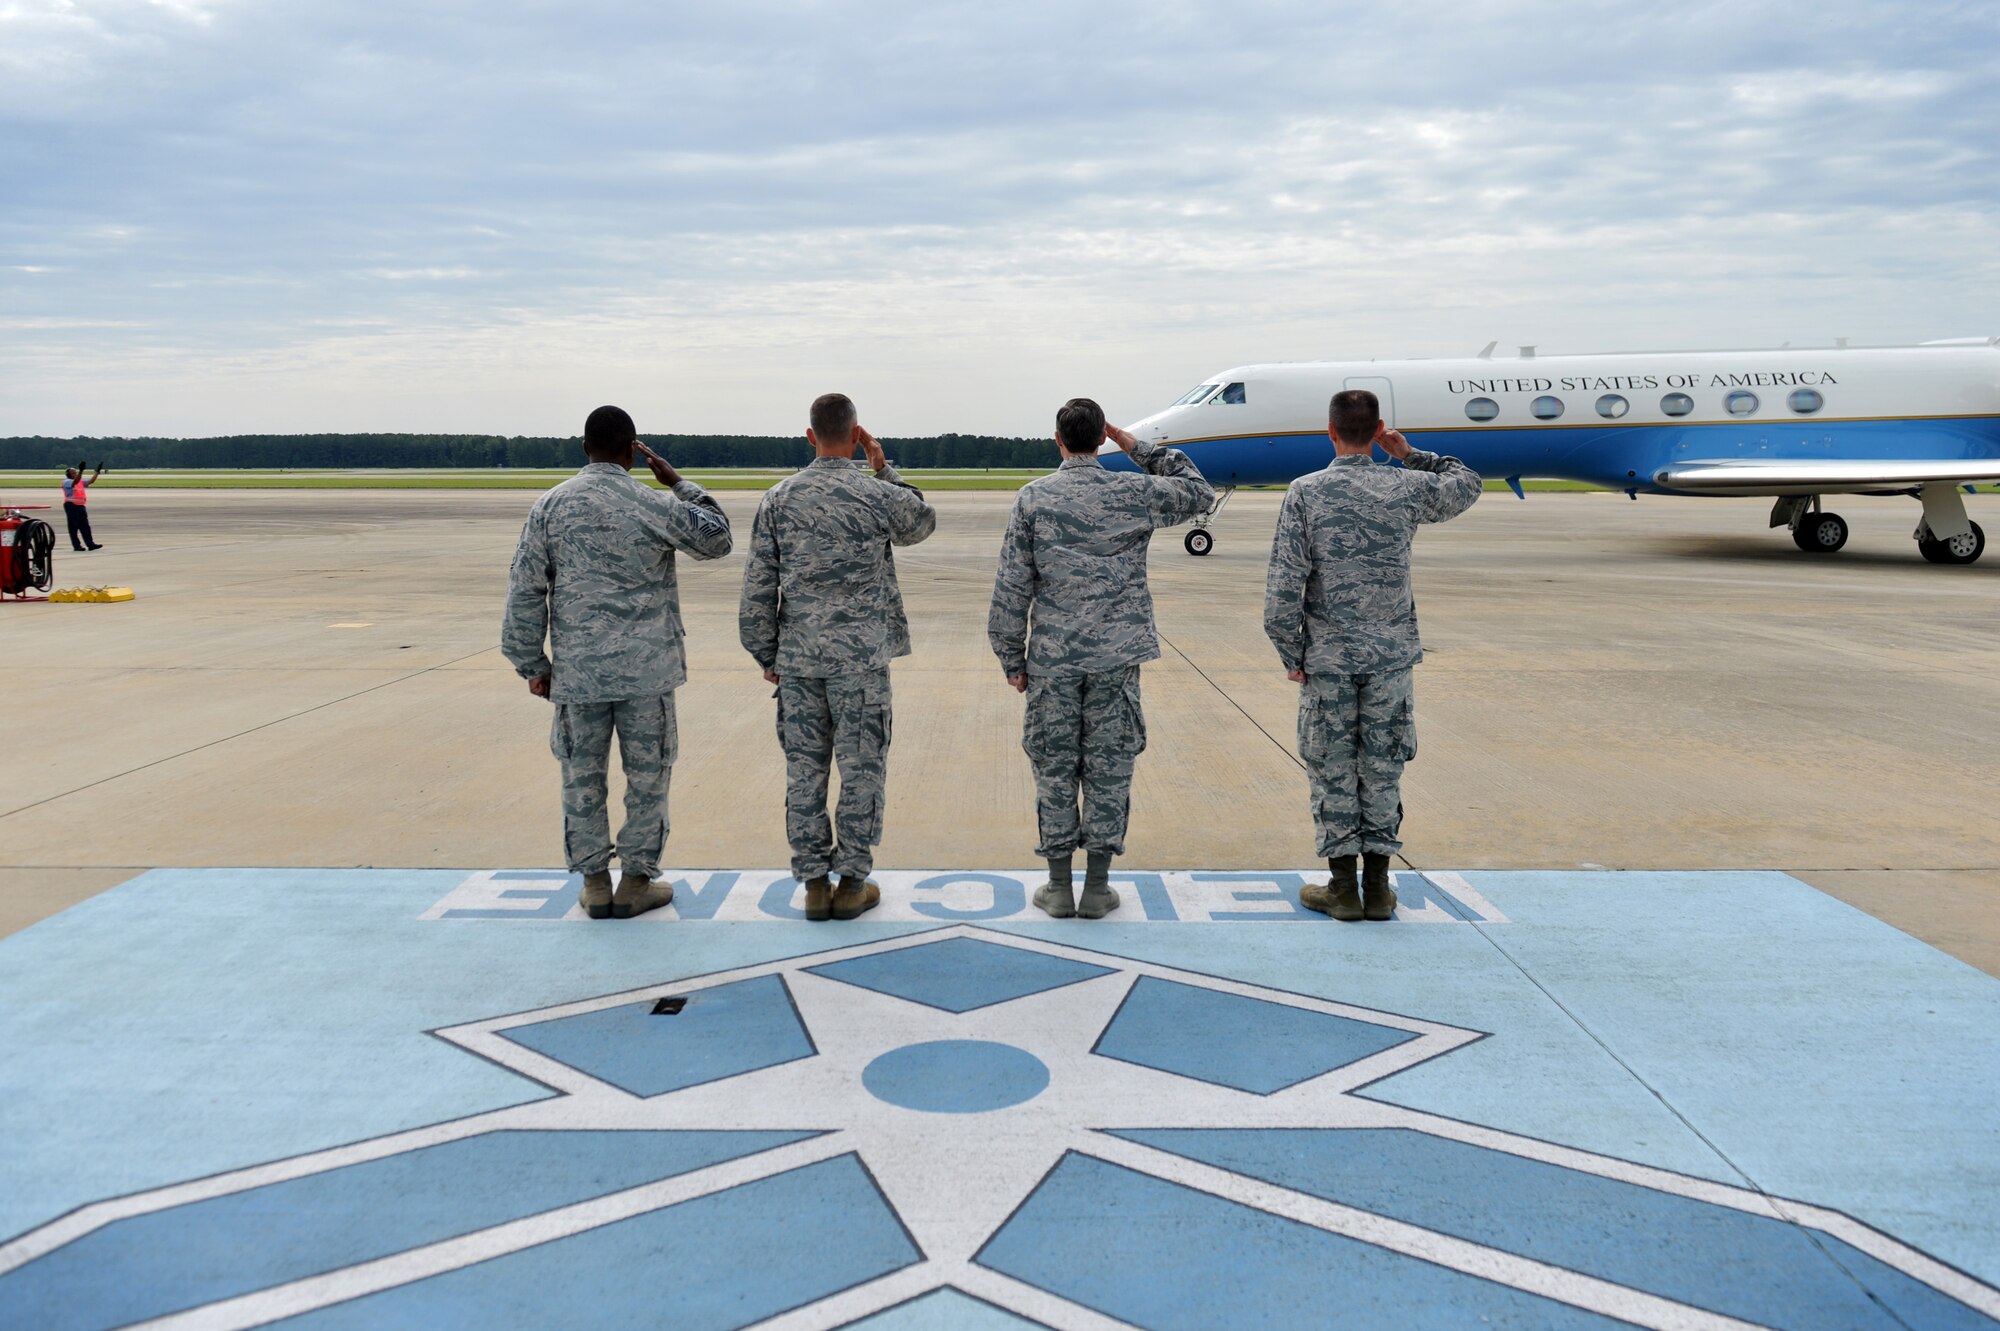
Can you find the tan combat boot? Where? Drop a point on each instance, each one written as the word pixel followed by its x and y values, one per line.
pixel 1338 897
pixel 1379 898
pixel 855 897
pixel 595 895
pixel 819 898
pixel 638 894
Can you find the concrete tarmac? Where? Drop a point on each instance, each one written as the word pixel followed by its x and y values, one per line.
pixel 311 679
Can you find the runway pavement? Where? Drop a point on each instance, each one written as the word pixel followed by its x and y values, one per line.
pixel 312 1033
pixel 310 679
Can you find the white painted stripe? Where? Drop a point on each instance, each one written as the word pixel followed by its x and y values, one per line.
pixel 1467 895
pixel 1038 1304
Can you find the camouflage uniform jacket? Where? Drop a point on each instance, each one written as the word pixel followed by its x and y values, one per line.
pixel 595 573
pixel 1071 595
pixel 1337 599
pixel 819 585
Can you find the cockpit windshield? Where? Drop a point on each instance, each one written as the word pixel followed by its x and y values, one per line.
pixel 1232 395
pixel 1196 395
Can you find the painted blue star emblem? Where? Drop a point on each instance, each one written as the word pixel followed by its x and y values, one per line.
pixel 966 1127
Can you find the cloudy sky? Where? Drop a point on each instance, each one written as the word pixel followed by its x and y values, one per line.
pixel 230 215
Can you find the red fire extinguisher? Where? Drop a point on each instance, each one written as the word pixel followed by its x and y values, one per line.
pixel 27 554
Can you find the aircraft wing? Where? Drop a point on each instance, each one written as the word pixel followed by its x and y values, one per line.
pixel 1801 476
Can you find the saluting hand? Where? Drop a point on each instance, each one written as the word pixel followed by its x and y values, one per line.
pixel 871 448
pixel 662 470
pixel 1125 439
pixel 1392 441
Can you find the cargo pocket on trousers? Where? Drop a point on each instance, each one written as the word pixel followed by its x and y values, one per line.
pixel 778 697
pixel 877 718
pixel 1032 724
pixel 670 728
pixel 877 727
pixel 1312 735
pixel 559 742
pixel 1135 719
pixel 1396 738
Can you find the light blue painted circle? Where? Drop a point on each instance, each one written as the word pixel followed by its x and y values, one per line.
pixel 956 1076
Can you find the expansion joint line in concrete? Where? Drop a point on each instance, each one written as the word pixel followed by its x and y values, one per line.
pixel 1275 741
pixel 1777 1204
pixel 248 730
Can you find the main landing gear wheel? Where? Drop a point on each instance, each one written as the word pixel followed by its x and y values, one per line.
pixel 1820 533
pixel 1198 542
pixel 1961 549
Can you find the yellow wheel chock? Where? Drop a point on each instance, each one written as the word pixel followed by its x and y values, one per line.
pixel 91 595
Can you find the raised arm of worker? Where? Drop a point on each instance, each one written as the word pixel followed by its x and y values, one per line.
pixel 1285 587
pixel 911 519
pixel 525 628
pixel 1179 491
pixel 757 612
pixel 1452 487
pixel 686 517
pixel 1013 594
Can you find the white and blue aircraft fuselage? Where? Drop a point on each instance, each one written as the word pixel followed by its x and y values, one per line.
pixel 1791 425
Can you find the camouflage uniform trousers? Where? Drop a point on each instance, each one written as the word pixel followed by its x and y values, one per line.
pixel 1355 734
pixel 1083 734
pixel 845 718
pixel 648 743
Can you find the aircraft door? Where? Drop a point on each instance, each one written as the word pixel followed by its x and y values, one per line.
pixel 1385 393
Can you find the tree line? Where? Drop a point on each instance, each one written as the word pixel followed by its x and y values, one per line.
pixel 342 451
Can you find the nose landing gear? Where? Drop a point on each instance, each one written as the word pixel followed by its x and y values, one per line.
pixel 1199 541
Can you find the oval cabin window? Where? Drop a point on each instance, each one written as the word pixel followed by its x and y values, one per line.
pixel 1611 406
pixel 1677 404
pixel 1805 401
pixel 1546 408
pixel 1740 403
pixel 1482 409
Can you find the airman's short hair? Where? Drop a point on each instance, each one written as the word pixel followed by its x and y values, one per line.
pixel 833 418
pixel 1354 414
pixel 607 430
pixel 1080 425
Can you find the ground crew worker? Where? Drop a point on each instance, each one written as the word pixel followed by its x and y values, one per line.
pixel 1072 621
pixel 823 616
pixel 76 501
pixel 1337 606
pixel 595 572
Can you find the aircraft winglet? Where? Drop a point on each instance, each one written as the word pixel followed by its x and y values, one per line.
pixel 1514 484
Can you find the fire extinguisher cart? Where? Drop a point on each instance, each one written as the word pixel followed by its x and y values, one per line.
pixel 27 554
